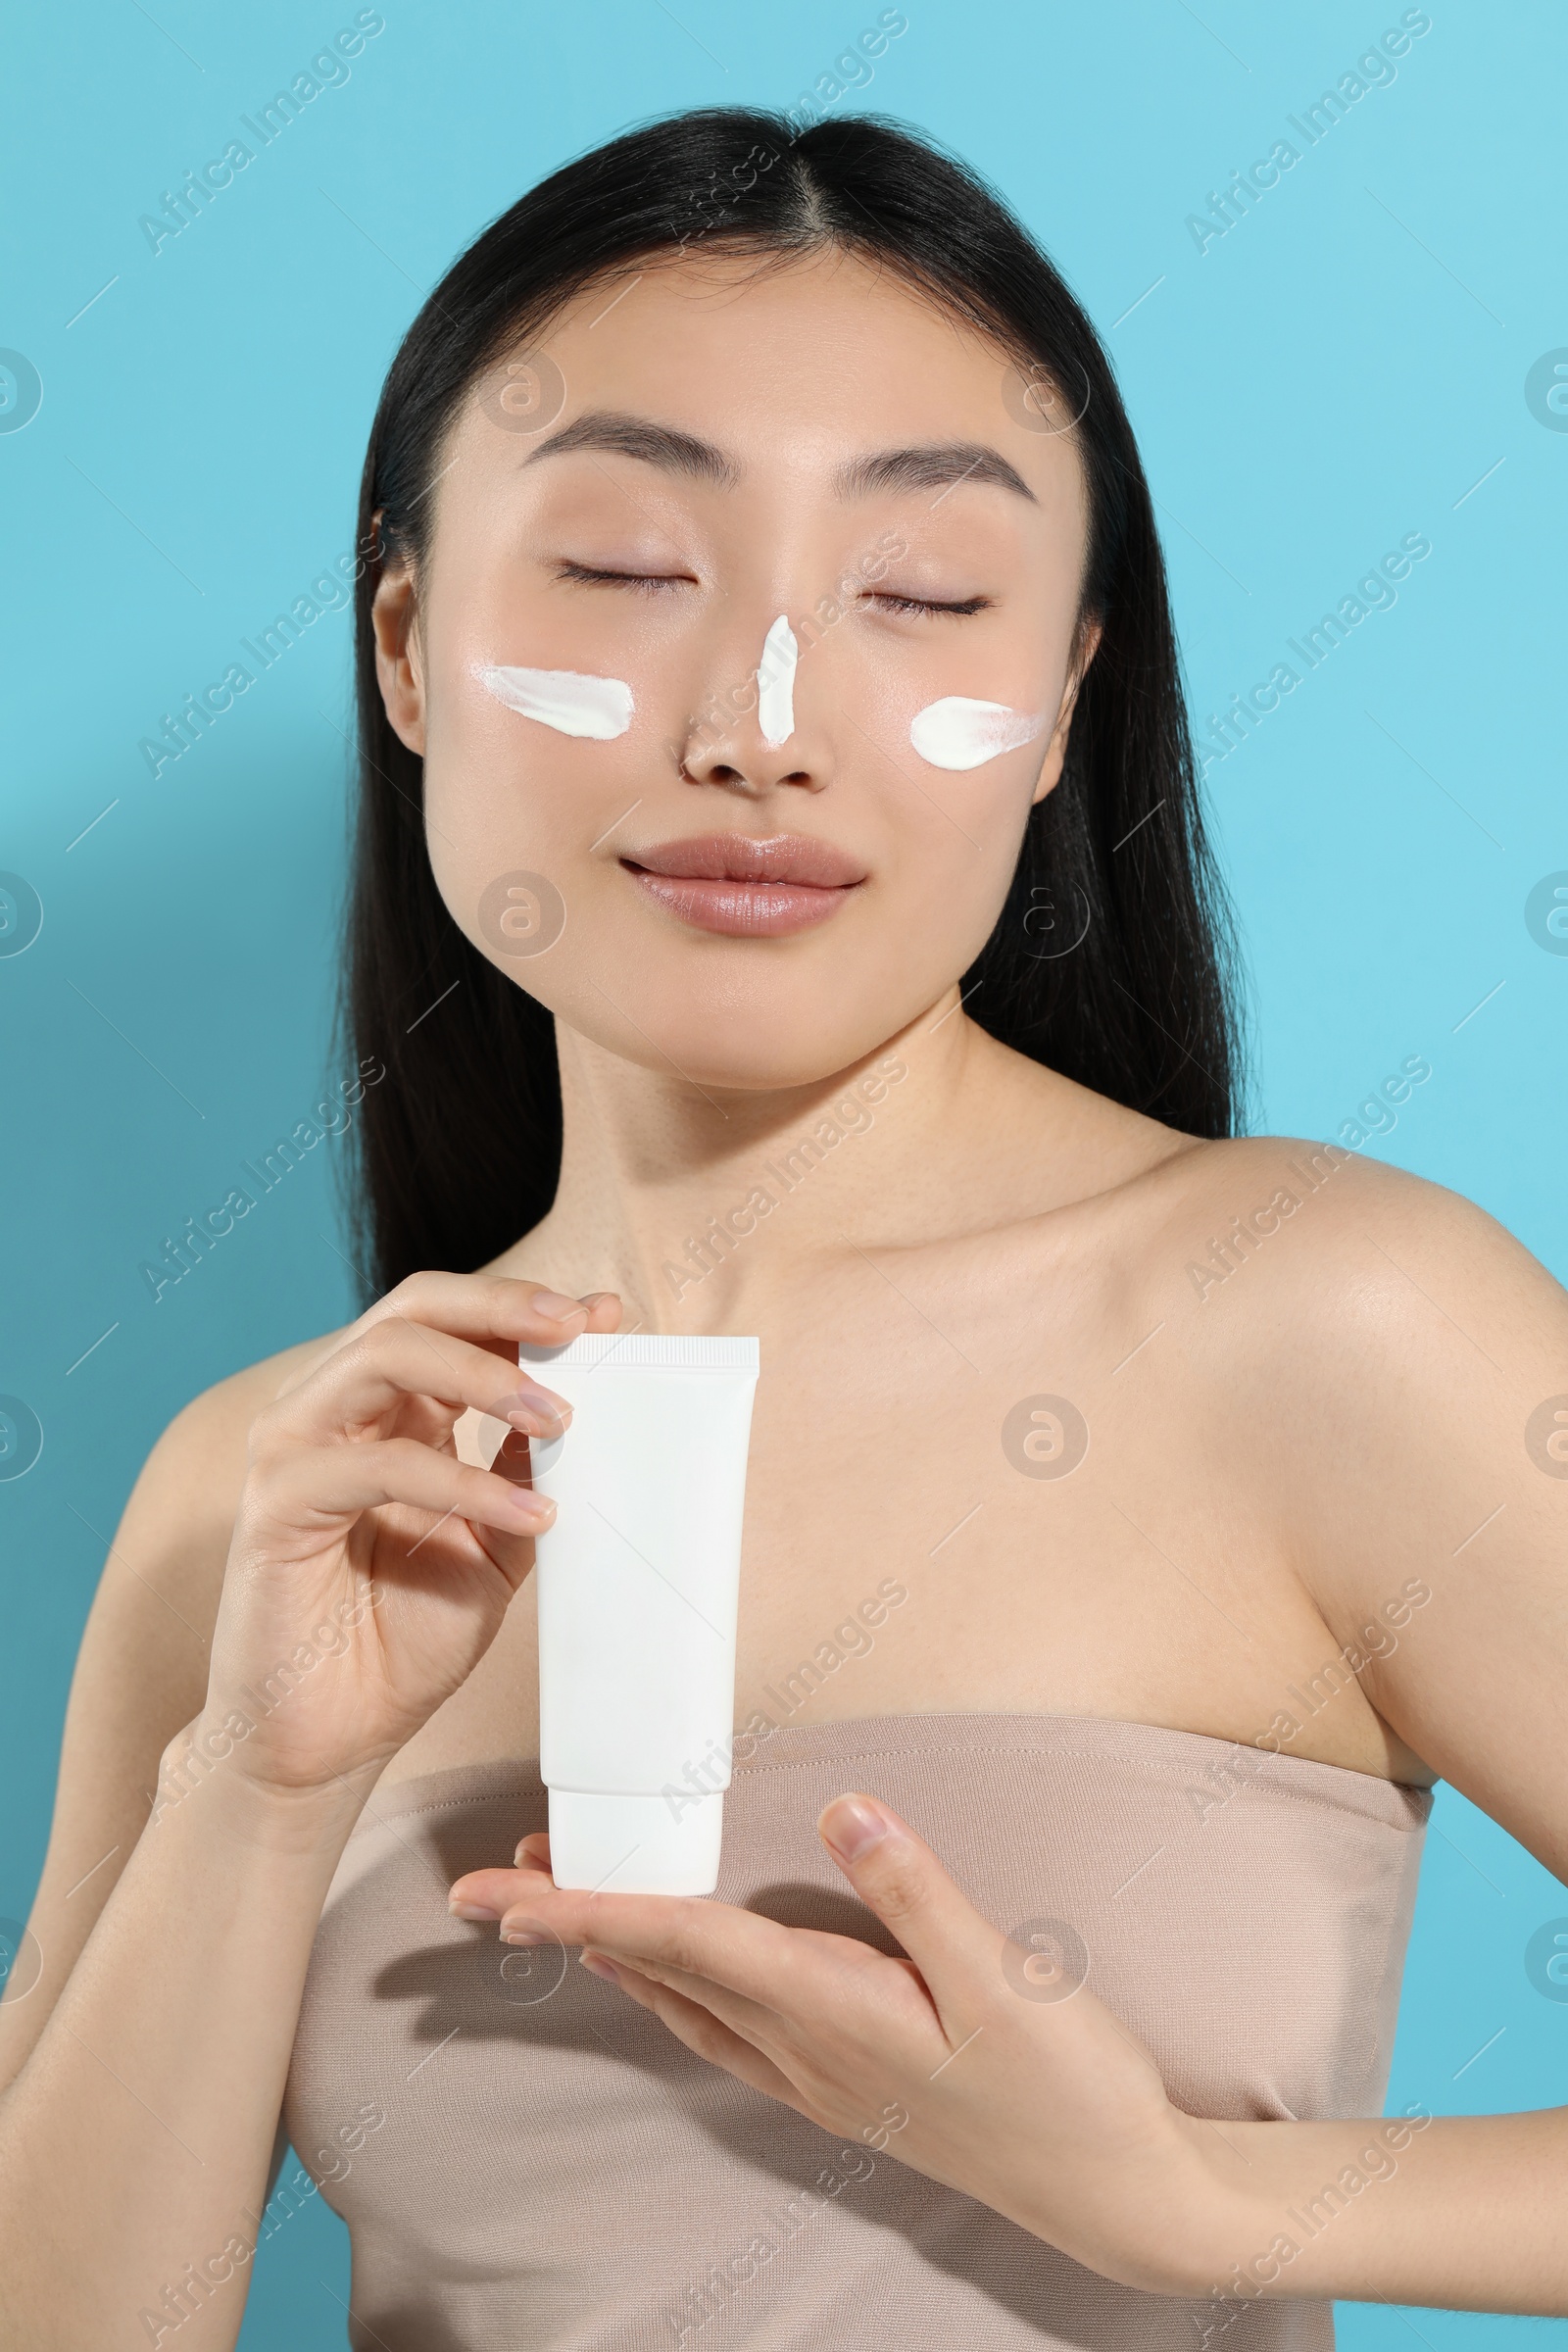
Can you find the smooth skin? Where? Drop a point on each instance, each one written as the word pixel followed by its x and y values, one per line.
pixel 1271 1463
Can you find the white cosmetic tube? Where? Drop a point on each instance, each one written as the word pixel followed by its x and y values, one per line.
pixel 638 1583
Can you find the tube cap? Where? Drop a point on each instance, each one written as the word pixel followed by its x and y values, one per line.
pixel 634 1845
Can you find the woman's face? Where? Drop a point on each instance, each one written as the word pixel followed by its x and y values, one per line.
pixel 804 471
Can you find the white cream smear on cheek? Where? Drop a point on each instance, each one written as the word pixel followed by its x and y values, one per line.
pixel 572 701
pixel 958 733
pixel 776 684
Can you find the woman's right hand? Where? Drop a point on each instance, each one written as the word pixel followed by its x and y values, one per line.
pixel 370 1568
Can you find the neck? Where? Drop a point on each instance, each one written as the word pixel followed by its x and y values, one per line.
pixel 701 1204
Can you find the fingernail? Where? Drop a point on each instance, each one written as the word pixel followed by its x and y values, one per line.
pixel 557 1304
pixel 520 1934
pixel 536 1510
pixel 851 1825
pixel 470 1910
pixel 597 1966
pixel 542 1414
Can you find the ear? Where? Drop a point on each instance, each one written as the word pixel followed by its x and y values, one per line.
pixel 394 616
pixel 1057 750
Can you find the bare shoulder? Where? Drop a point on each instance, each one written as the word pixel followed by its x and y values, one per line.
pixel 1381 1369
pixel 180 1512
pixel 1300 1274
pixel 1351 1250
pixel 141 1670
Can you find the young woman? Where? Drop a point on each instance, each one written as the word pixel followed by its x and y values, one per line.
pixel 782 908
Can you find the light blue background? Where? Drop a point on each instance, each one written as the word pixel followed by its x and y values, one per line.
pixel 1341 368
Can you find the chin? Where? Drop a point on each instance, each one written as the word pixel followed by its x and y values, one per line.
pixel 741 1041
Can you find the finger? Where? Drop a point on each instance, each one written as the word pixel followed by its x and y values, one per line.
pixel 510 1549
pixel 704 2033
pixel 299 1486
pixel 806 1981
pixel 593 1299
pixel 753 2021
pixel 520 1898
pixel 499 1306
pixel 749 1954
pixel 493 1312
pixel 492 1893
pixel 395 1360
pixel 897 1876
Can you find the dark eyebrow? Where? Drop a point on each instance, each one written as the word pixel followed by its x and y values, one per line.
pixel 940 465
pixel 935 466
pixel 639 437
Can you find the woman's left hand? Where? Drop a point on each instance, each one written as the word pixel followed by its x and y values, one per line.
pixel 987 2067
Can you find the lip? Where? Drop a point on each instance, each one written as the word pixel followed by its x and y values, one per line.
pixel 744 887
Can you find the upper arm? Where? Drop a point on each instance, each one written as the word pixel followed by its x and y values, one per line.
pixel 140 1676
pixel 1421 1422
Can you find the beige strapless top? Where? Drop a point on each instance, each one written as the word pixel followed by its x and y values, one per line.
pixel 552 2169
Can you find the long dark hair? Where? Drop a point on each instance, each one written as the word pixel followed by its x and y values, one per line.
pixel 1111 959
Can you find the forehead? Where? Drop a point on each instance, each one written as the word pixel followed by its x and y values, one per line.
pixel 789 366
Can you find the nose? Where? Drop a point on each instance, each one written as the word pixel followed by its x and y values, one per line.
pixel 757 733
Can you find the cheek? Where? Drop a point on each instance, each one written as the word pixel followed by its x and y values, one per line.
pixel 513 804
pixel 969 769
pixel 579 703
pixel 954 841
pixel 952 827
pixel 960 733
pixel 516 752
pixel 959 774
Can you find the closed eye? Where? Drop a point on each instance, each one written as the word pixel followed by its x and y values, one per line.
pixel 653 583
pixel 918 604
pixel 646 583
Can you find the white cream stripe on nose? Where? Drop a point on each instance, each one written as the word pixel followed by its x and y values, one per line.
pixel 776 684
